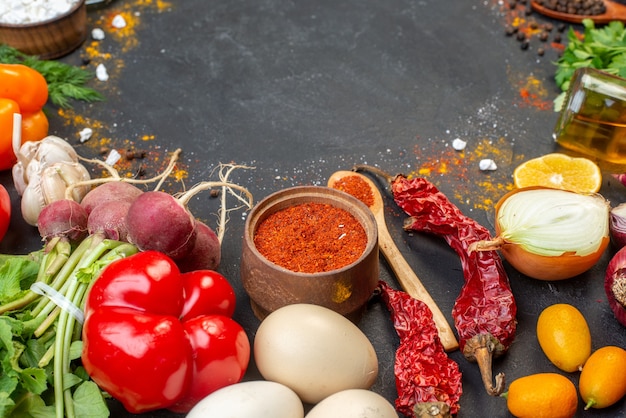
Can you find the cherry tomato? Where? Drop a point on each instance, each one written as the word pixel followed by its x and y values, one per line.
pixel 140 358
pixel 5 211
pixel 24 85
pixel 34 126
pixel 8 108
pixel 221 354
pixel 147 281
pixel 207 292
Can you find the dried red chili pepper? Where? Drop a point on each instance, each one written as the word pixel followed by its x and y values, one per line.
pixel 485 311
pixel 427 380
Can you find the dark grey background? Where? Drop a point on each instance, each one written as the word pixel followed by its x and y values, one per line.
pixel 301 89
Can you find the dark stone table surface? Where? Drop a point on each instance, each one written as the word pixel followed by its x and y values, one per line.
pixel 299 90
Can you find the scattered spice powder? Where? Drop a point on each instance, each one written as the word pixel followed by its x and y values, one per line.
pixel 311 238
pixel 456 169
pixel 533 93
pixel 357 187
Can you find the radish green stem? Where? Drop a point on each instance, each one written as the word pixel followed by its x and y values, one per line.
pixel 65 271
pixel 99 256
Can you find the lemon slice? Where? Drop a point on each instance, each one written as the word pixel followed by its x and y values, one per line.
pixel 559 171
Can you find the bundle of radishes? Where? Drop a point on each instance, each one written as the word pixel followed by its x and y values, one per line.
pixel 87 224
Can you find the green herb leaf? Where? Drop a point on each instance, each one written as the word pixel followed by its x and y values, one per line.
pixel 34 380
pixel 17 276
pixel 65 82
pixel 89 402
pixel 601 48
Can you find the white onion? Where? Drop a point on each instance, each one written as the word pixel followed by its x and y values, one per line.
pixel 552 222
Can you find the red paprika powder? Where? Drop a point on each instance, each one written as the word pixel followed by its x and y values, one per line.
pixel 357 187
pixel 311 238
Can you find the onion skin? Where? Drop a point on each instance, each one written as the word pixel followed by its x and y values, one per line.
pixel 542 267
pixel 617 225
pixel 615 285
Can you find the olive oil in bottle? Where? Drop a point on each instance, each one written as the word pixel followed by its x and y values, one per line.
pixel 593 118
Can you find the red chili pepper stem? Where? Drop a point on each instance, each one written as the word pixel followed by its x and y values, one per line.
pixel 432 410
pixel 487 245
pixel 480 349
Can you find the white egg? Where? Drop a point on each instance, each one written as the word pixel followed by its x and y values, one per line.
pixel 353 403
pixel 314 351
pixel 253 399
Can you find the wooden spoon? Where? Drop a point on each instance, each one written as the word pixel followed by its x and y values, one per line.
pixel 614 11
pixel 405 275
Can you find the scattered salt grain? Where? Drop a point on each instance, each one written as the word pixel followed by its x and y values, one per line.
pixel 119 22
pixel 458 144
pixel 487 165
pixel 101 73
pixel 85 134
pixel 97 34
pixel 113 158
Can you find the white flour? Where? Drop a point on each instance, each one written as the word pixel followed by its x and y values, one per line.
pixel 18 12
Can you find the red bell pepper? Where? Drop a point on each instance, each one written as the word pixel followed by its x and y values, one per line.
pixel 155 338
pixel 5 211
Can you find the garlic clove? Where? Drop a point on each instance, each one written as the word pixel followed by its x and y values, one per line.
pixel 56 178
pixel 32 203
pixel 28 150
pixel 19 178
pixel 32 171
pixel 53 149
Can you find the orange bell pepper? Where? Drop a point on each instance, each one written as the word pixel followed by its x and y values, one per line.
pixel 8 108
pixel 22 90
pixel 26 86
pixel 34 126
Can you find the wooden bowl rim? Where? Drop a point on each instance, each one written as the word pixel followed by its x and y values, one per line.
pixel 298 191
pixel 33 25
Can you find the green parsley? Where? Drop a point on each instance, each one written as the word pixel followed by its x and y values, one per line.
pixel 600 48
pixel 65 82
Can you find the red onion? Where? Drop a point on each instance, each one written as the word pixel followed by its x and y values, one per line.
pixel 617 225
pixel 615 285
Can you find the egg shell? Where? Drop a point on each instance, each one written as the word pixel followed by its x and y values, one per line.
pixel 353 403
pixel 252 399
pixel 314 351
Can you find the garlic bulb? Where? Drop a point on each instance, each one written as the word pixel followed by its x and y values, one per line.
pixel 49 185
pixel 44 171
pixel 35 156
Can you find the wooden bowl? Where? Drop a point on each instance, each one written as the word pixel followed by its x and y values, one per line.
pixel 345 290
pixel 49 39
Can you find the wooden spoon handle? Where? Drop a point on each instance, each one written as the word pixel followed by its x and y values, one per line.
pixel 413 286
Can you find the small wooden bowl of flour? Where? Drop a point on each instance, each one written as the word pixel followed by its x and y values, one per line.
pixel 43 28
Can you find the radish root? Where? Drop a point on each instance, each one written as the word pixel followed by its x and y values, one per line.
pixel 115 176
pixel 244 197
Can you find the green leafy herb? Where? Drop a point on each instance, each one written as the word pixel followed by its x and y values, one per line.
pixel 40 346
pixel 600 48
pixel 65 82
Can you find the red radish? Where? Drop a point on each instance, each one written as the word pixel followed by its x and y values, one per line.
pixel 157 221
pixel 109 219
pixel 206 253
pixel 111 191
pixel 615 285
pixel 63 218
